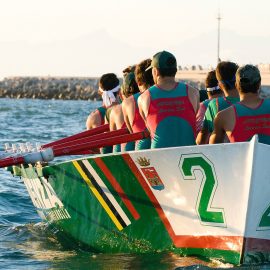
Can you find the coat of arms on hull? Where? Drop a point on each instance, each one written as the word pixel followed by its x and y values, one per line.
pixel 150 174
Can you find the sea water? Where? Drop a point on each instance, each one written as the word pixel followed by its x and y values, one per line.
pixel 25 241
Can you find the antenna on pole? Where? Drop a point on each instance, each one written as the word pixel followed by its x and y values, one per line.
pixel 218 41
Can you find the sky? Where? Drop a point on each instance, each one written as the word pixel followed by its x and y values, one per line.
pixel 91 37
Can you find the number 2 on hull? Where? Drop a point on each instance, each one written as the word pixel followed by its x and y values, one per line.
pixel 209 215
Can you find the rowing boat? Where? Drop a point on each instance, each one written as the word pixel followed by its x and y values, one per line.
pixel 211 201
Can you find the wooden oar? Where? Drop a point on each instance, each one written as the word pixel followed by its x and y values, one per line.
pixel 48 154
pixel 91 138
pixel 72 150
pixel 29 158
pixel 85 135
pixel 80 135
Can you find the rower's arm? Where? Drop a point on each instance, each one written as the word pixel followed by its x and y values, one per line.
pixel 112 122
pixel 200 117
pixel 116 118
pixel 205 132
pixel 93 120
pixel 143 104
pixel 126 108
pixel 218 134
pixel 194 97
pixel 203 136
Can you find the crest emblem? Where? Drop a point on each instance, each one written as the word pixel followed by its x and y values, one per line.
pixel 144 162
pixel 150 173
pixel 153 178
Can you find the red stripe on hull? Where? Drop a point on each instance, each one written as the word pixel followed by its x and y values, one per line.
pixel 233 243
pixel 117 187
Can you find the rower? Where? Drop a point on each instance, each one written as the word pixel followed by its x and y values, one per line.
pixel 169 108
pixel 130 108
pixel 128 70
pixel 109 90
pixel 225 73
pixel 129 87
pixel 213 91
pixel 250 116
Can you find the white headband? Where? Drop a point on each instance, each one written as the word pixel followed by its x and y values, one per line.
pixel 108 96
pixel 209 89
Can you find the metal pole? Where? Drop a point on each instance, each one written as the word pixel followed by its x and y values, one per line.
pixel 218 41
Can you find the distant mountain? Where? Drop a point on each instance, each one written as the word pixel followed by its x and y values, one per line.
pixel 241 49
pixel 89 55
pixel 99 52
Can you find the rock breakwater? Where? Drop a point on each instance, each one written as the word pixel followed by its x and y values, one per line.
pixel 78 88
pixel 49 88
